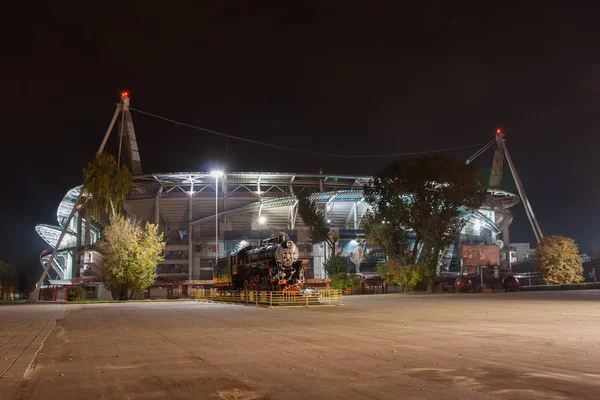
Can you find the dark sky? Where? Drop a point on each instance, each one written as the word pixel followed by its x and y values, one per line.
pixel 345 77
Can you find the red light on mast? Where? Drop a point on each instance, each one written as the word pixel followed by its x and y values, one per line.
pixel 124 94
pixel 498 131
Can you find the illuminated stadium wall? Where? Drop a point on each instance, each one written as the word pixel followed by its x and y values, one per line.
pixel 254 205
pixel 70 260
pixel 251 207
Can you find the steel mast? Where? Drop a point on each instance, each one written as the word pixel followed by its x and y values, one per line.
pixel 496 177
pixel 34 295
pixel 528 209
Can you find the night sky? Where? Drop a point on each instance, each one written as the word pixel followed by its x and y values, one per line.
pixel 344 77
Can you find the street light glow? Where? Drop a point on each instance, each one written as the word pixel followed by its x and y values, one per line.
pixel 217 173
pixel 262 220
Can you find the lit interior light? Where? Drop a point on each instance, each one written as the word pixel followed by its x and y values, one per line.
pixel 328 221
pixel 262 220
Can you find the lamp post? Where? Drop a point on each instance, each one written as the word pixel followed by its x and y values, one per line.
pixel 216 174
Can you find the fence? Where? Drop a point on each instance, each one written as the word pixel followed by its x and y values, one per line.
pixel 272 299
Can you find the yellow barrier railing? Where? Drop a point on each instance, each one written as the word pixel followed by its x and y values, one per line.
pixel 273 298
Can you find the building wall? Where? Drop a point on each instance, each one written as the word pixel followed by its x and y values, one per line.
pixel 174 214
pixel 523 251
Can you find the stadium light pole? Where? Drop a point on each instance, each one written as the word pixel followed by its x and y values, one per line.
pixel 216 174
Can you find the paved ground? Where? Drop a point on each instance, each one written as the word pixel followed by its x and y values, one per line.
pixel 23 330
pixel 475 346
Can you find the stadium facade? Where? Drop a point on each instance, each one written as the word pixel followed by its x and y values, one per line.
pixel 201 222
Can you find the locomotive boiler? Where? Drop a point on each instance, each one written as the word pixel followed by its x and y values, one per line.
pixel 273 265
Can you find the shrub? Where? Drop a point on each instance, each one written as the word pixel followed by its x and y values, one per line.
pixel 342 281
pixel 76 293
pixel 390 272
pixel 409 277
pixel 412 276
pixel 334 265
pixel 557 260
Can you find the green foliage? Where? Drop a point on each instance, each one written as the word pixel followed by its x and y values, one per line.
pixel 334 265
pixel 15 279
pixel 428 262
pixel 76 293
pixel 557 260
pixel 390 272
pixel 428 195
pixel 8 279
pixel 314 219
pixel 389 234
pixel 342 281
pixel 406 276
pixel 105 184
pixel 130 255
pixel 412 276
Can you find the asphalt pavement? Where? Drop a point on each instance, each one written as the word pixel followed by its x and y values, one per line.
pixel 539 345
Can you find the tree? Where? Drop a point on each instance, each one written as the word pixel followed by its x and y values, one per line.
pixel 389 233
pixel 335 265
pixel 408 277
pixel 130 255
pixel 557 260
pixel 428 196
pixel 313 218
pixel 105 185
pixel 26 278
pixel 8 280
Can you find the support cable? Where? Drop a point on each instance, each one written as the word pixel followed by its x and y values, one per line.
pixel 300 150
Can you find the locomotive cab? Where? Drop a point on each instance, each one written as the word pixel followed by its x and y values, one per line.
pixel 273 265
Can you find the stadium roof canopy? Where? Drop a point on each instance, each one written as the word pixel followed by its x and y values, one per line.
pixel 266 184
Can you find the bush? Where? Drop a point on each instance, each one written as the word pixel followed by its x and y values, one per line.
pixel 557 260
pixel 342 281
pixel 390 272
pixel 412 276
pixel 334 265
pixel 409 277
pixel 76 293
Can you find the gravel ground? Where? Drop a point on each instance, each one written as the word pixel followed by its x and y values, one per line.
pixel 542 345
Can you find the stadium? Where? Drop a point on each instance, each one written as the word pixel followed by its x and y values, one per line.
pixel 206 215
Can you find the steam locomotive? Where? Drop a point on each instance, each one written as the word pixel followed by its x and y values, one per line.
pixel 273 265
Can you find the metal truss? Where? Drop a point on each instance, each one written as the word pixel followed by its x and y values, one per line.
pixel 258 184
pixel 67 204
pixel 51 234
pixel 60 267
pixel 347 202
